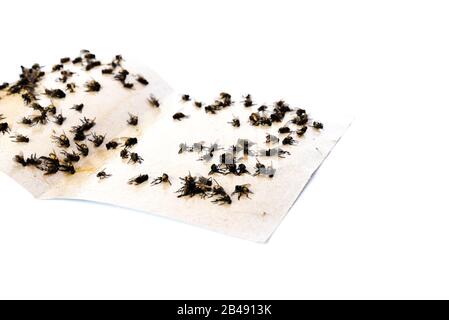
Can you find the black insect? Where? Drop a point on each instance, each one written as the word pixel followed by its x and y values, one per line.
pixel 162 179
pixel 107 71
pixel 70 156
pixel 271 139
pixel 4 128
pixel 128 85
pixel 89 56
pixel 26 121
pixel 300 112
pixel 20 160
pixel 288 141
pixel 83 149
pixel 215 169
pixel 55 93
pixel 179 116
pixel 79 135
pixel 112 145
pixel 135 158
pixel 189 187
pixel 78 107
pixel 282 106
pixel 133 120
pixel 18 138
pixel 65 60
pixel 235 122
pixel 301 119
pixel 122 75
pixel 71 87
pixel 4 85
pixel 57 67
pixel 264 170
pixel 51 109
pixel 33 161
pixel 139 179
pixel 103 175
pixel 317 125
pixel 153 102
pixel 67 168
pixel 241 170
pixel 185 98
pixel 62 141
pixel 37 107
pixel 59 119
pixel 50 165
pixel 87 124
pixel 124 154
pixel 262 108
pixel 93 86
pixel 301 131
pixel 77 60
pixel 248 101
pixel 97 140
pixel 130 142
pixel 40 119
pixel 142 80
pixel 28 98
pixel 284 130
pixel 198 104
pixel 92 64
pixel 242 190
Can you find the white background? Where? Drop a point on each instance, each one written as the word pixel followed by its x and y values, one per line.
pixel 373 222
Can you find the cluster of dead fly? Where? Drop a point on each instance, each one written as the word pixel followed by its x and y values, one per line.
pixel 27 87
pixel 210 188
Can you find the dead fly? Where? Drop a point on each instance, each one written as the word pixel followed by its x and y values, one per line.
pixel 3 86
pixel 283 130
pixel 67 168
pixel 57 67
pixel 18 138
pixel 130 142
pixel 185 98
pixel 62 141
pixel 301 120
pixel 50 164
pixel 40 119
pixel 248 102
pixel 78 107
pixel 300 112
pixel 242 190
pixel 179 116
pixel 124 154
pixel 83 149
pixel 135 158
pixel 26 121
pixel 93 86
pixel 142 80
pixel 301 131
pixel 71 87
pixel 264 170
pixel 65 75
pixel 79 135
pixel 288 141
pixel 162 179
pixel 89 56
pixel 107 71
pixel 254 119
pixel 133 120
pixel 198 104
pixel 117 62
pixel 97 140
pixel 112 145
pixel 189 187
pixel 70 156
pixel 28 98
pixel 92 64
pixel 262 108
pixel 103 175
pixel 65 60
pixel 139 179
pixel 282 106
pixel 59 119
pixel 271 139
pixel 215 169
pixel 31 161
pixel 317 125
pixel 87 124
pixel 153 102
pixel 77 60
pixel 4 128
pixel 55 93
pixel 223 197
pixel 235 122
pixel 51 109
